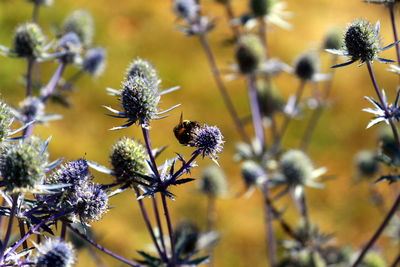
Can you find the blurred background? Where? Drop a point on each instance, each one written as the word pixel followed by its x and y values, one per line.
pixel 147 29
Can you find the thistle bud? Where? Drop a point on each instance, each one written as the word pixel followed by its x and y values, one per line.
pixel 128 157
pixel 31 109
pixel 362 40
pixel 296 167
pixel 213 182
pixel 55 252
pixel 6 119
pixel 187 234
pixel 71 47
pixel 367 163
pixel 28 40
pixel 139 99
pixel 306 66
pixel 144 69
pixel 186 9
pixel 261 8
pixel 22 164
pixel 252 173
pixel 387 142
pixel 80 22
pixel 333 40
pixel 250 53
pixel 94 61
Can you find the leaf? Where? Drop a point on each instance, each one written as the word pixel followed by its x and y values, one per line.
pixel 199 261
pixel 389 178
pixel 183 181
pixel 100 168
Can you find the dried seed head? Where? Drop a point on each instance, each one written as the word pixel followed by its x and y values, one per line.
pixel 260 8
pixel 306 66
pixel 128 157
pixel 208 140
pixel 89 200
pixel 296 167
pixel 94 61
pixel 213 182
pixel 250 53
pixel 367 163
pixel 362 40
pixel 71 45
pixel 28 40
pixel 71 173
pixel 55 252
pixel 6 119
pixel 252 173
pixel 80 22
pixel 139 99
pixel 144 69
pixel 22 164
pixel 333 40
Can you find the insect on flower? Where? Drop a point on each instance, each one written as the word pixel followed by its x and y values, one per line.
pixel 184 130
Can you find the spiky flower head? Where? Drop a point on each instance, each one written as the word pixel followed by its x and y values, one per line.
pixel 362 40
pixel 89 200
pixel 80 22
pixel 31 108
pixel 269 99
pixel 42 2
pixel 55 252
pixel 249 53
pixel 388 144
pixel 143 68
pixel 94 61
pixel 186 9
pixel 367 163
pixel 22 164
pixel 306 66
pixel 187 234
pixel 208 140
pixel 70 173
pixel 71 46
pixel 139 99
pixel 296 167
pixel 128 158
pixel 213 182
pixel 6 118
pixel 260 8
pixel 333 39
pixel 29 40
pixel 252 173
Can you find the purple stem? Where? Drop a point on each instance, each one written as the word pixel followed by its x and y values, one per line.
pixel 170 230
pixel 396 38
pixel 49 89
pixel 231 16
pixel 269 230
pixel 150 152
pixel 159 225
pixel 31 62
pixel 98 246
pixel 10 224
pixel 183 168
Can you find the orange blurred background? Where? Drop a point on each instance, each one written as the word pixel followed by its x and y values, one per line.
pixel 146 29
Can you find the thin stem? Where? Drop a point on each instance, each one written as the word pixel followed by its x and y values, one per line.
pixel 231 17
pixel 63 230
pixel 255 110
pixel 150 152
pixel 22 232
pixel 149 227
pixel 35 12
pixel 304 211
pixel 269 230
pixel 10 224
pixel 159 225
pixel 211 213
pixel 394 27
pixel 31 62
pixel 170 230
pixel 98 246
pixel 262 29
pixel 183 168
pixel 49 88
pixel 396 262
pixel 378 232
pixel 222 89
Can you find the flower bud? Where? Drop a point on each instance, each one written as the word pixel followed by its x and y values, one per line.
pixel 333 40
pixel 306 66
pixel 94 61
pixel 55 252
pixel 71 46
pixel 144 69
pixel 128 157
pixel 186 9
pixel 187 234
pixel 213 182
pixel 296 167
pixel 252 173
pixel 80 22
pixel 269 100
pixel 367 163
pixel 22 164
pixel 250 53
pixel 31 109
pixel 28 40
pixel 6 119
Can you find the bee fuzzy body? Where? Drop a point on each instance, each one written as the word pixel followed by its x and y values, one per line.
pixel 184 131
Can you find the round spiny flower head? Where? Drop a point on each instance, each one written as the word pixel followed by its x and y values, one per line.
pixel 139 99
pixel 208 140
pixel 89 200
pixel 6 119
pixel 22 164
pixel 362 41
pixel 30 109
pixel 28 40
pixel 71 173
pixel 367 163
pixel 252 173
pixel 388 144
pixel 128 157
pixel 42 2
pixel 94 61
pixel 333 40
pixel 186 9
pixel 269 100
pixel 213 182
pixel 296 167
pixel 306 66
pixel 55 252
pixel 80 22
pixel 145 69
pixel 250 53
pixel 187 234
pixel 261 8
pixel 71 46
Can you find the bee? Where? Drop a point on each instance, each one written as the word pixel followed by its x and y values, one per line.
pixel 184 130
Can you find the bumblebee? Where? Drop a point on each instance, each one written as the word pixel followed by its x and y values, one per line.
pixel 184 131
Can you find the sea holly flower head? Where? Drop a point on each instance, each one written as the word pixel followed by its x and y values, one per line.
pixel 213 182
pixel 367 163
pixel 249 53
pixel 143 68
pixel 70 173
pixel 333 39
pixel 208 140
pixel 55 252
pixel 6 118
pixel 29 40
pixel 362 42
pixel 306 66
pixel 81 23
pixel 94 61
